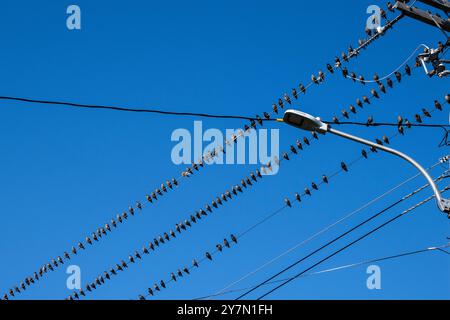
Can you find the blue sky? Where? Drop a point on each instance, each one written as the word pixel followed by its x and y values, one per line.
pixel 65 172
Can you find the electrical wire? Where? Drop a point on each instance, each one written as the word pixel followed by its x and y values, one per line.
pixel 379 213
pixel 339 268
pixel 351 243
pixel 325 229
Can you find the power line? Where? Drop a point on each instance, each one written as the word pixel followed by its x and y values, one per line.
pixel 339 268
pixel 322 231
pixel 379 213
pixel 126 109
pixel 351 243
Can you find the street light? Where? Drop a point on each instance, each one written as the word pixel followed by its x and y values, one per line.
pixel 307 122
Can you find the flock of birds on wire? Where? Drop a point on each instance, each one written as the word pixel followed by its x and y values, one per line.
pixel 247 182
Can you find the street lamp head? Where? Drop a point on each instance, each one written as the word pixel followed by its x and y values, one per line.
pixel 304 121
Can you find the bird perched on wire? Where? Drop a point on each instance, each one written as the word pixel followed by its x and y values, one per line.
pixel 294 93
pixel 307 191
pixel 302 88
pixel 447 98
pixel 408 70
pixel 288 203
pixel 233 238
pixel 398 75
pixel 321 76
pixel 438 106
pixel 390 83
pixel 219 247
pixel 359 103
pixel 314 79
pixel 337 62
pixel 330 68
pixel 345 114
pixel 426 113
pixel 382 87
pixel 353 76
pixel 208 255
pixel 418 118
pixel 195 263
pixel 369 121
pixel 226 243
pixel 287 98
pixel 375 93
pixel 344 166
pixel 362 80
pixel 345 72
pixel 364 153
pixel 352 109
pixel 366 100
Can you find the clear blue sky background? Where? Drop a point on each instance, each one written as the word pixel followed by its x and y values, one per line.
pixel 65 172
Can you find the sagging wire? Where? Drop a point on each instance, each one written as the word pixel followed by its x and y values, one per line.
pixel 179 227
pixel 403 213
pixel 325 229
pixel 170 184
pixel 440 248
pixel 186 271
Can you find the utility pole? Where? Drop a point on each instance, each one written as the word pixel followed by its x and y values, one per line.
pixel 427 17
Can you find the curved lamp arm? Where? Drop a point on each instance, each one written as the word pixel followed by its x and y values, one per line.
pixel 443 204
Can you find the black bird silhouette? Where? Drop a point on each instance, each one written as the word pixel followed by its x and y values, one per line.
pixel 302 88
pixel 426 113
pixel 288 203
pixel 364 153
pixel 233 238
pixel 386 139
pixel 337 62
pixel 352 109
pixel 366 100
pixel 80 245
pixel 345 72
pixel 275 108
pixel 418 118
pixel 398 75
pixel 375 93
pixel 219 247
pixel 307 191
pixel 294 93
pixel 368 31
pixel 344 166
pixel 344 56
pixel 369 121
pixel 408 124
pixel 345 114
pixel 150 245
pixel 359 103
pixel 226 243
pixel 266 115
pixel 390 83
pixel 408 70
pixel 298 198
pixel 195 263
pixel 313 79
pixel 208 255
pixel 280 103
pixel 162 284
pixel 314 186
pixel 173 277
pixel 306 141
pixel 287 98
pixel 156 287
pixel 335 120
pixel 362 80
pixel 353 76
pixel 325 178
pixel 401 130
pixel 437 105
pixel 390 7
pixel 382 87
pixel 330 68
pixel 447 98
pixel 141 297
pixel 186 270
pixel 299 145
pixel 321 76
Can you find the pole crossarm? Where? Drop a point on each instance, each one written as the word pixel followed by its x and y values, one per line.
pixel 423 16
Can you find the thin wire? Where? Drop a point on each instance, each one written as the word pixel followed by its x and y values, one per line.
pixel 322 231
pixel 352 243
pixel 389 124
pixel 348 266
pixel 89 106
pixel 379 213
pixel 390 74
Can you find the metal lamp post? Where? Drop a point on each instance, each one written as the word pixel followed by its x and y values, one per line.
pixel 307 122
